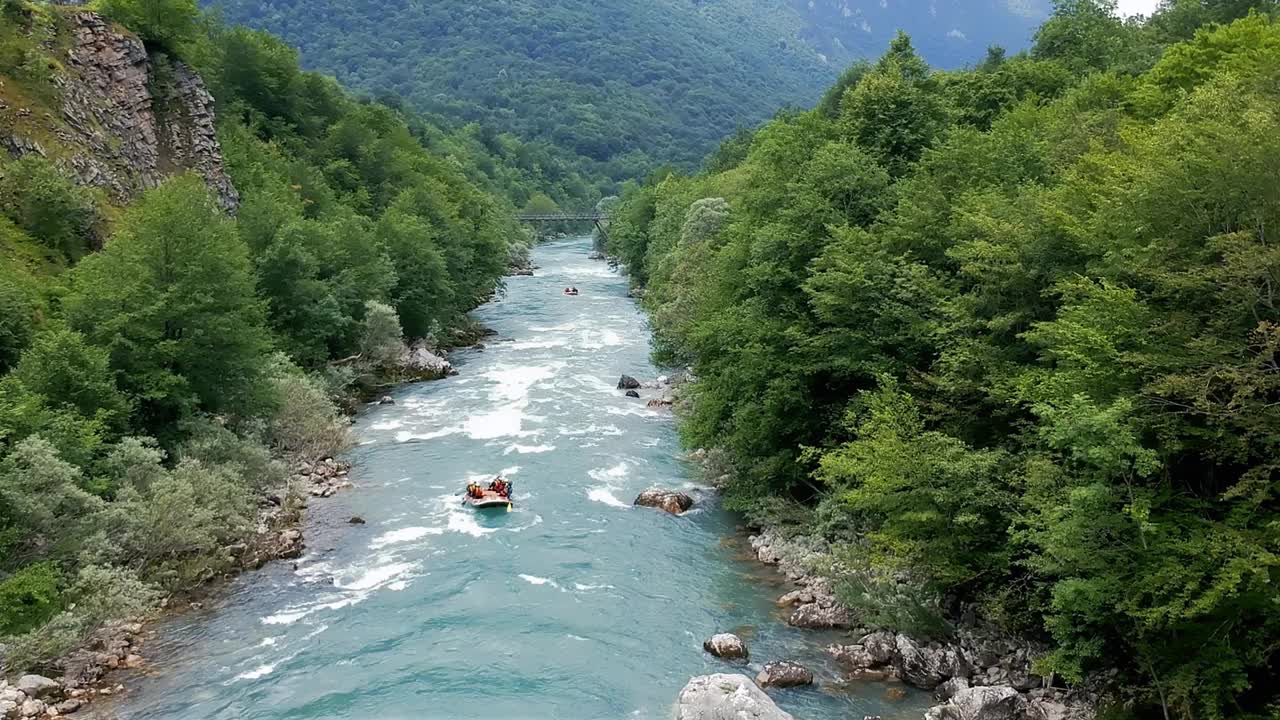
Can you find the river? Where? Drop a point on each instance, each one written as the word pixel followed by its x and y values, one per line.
pixel 574 606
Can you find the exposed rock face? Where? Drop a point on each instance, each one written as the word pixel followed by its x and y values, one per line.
pixel 135 120
pixel 726 697
pixel 670 500
pixel 784 674
pixel 626 382
pixel 727 646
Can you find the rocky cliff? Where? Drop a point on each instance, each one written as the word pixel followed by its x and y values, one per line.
pixel 116 117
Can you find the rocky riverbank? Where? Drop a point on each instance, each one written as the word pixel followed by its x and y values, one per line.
pixel 84 674
pixel 977 674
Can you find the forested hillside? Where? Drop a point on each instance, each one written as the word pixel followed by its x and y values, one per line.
pixel 946 33
pixel 620 86
pixel 1008 338
pixel 160 358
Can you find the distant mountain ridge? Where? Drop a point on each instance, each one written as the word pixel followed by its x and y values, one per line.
pixel 622 85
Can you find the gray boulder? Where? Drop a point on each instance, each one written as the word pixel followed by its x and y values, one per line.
pixel 982 703
pixel 816 617
pixel 626 382
pixel 670 500
pixel 950 688
pixel 927 667
pixel 784 674
pixel 727 646
pixel 38 686
pixel 725 696
pixel 633 394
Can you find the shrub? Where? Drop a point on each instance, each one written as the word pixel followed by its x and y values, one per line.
pixel 161 23
pixel 29 597
pixel 305 423
pixel 382 341
pixel 45 204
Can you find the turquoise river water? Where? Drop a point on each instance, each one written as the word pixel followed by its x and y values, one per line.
pixel 576 605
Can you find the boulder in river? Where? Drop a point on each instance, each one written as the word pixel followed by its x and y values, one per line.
pixel 725 696
pixel 727 646
pixel 626 382
pixel 672 501
pixel 784 674
pixel 633 394
pixel 356 520
pixel 387 400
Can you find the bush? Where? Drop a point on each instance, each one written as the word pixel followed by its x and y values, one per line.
pixel 382 341
pixel 45 204
pixel 29 597
pixel 306 423
pixel 100 594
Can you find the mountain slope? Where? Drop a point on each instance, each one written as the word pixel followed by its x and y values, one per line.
pixel 622 85
pixel 948 33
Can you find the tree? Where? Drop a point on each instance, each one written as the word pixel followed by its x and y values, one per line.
pixel 172 300
pixel 165 24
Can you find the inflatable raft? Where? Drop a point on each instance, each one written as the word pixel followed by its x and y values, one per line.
pixel 490 499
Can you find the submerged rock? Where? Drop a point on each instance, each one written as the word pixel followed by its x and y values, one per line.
pixel 727 646
pixel 633 394
pixel 725 696
pixel 784 674
pixel 670 500
pixel 356 520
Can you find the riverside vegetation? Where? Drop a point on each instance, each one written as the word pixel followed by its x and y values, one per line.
pixel 1007 338
pixel 162 361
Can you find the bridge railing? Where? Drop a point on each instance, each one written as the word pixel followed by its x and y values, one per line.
pixel 588 216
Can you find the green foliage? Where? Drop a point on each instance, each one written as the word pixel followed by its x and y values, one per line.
pixel 172 299
pixel 382 341
pixel 1011 332
pixel 29 597
pixel 47 205
pixel 165 24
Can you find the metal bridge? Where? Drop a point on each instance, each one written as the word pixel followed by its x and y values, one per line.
pixel 598 218
pixel 564 216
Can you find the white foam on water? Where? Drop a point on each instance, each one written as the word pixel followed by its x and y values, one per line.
pixel 286 617
pixel 258 672
pixel 405 436
pixel 588 588
pixel 403 535
pixel 527 449
pixel 537 344
pixel 503 422
pixel 604 495
pixel 465 522
pixel 535 580
pixel 398 585
pixel 592 430
pixel 376 576
pixel 514 383
pixel 387 425
pixel 268 641
pixel 616 472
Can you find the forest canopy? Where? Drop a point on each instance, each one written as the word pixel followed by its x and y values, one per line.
pixel 1010 329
